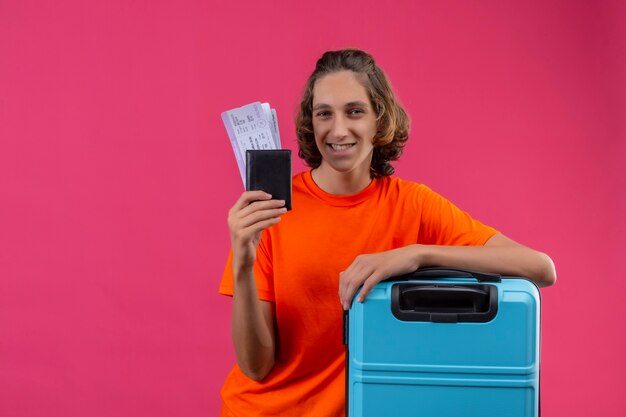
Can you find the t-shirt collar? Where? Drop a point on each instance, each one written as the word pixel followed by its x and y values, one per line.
pixel 340 200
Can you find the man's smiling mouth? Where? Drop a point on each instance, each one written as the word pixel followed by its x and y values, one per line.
pixel 337 147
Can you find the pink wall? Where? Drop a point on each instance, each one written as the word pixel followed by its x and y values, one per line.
pixel 116 175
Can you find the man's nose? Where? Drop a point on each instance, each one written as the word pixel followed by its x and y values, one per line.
pixel 339 129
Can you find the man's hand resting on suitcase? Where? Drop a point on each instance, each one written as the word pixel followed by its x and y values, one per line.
pixel 369 270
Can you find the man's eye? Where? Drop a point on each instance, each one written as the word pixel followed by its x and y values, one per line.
pixel 355 112
pixel 323 114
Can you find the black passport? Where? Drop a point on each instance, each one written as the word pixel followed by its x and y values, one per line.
pixel 270 171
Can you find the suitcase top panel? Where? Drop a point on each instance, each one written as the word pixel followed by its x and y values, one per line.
pixel 507 343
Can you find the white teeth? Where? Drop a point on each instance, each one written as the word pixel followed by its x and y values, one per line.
pixel 340 147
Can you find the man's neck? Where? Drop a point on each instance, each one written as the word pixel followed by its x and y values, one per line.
pixel 341 183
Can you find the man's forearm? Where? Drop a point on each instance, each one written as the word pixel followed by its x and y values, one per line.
pixel 252 327
pixel 506 259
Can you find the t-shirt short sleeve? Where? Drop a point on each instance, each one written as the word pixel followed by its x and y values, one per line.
pixel 263 272
pixel 443 223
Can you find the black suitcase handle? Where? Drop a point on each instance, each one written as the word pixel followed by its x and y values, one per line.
pixel 445 303
pixel 438 272
pixel 447 298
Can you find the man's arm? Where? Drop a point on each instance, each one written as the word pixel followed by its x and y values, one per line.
pixel 252 319
pixel 252 328
pixel 499 255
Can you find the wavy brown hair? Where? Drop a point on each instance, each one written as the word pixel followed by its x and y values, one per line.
pixel 392 121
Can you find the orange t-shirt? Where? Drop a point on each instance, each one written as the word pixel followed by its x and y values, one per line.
pixel 297 267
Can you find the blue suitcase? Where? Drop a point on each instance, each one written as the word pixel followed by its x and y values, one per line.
pixel 444 343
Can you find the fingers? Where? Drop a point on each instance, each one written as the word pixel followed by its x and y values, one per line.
pixel 352 278
pixel 253 212
pixel 261 215
pixel 248 197
pixel 369 283
pixel 350 287
pixel 258 226
pixel 366 271
pixel 251 202
pixel 259 209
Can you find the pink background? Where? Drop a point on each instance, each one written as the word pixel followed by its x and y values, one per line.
pixel 116 175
